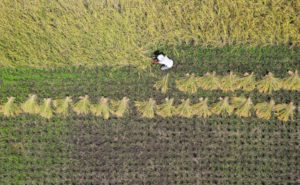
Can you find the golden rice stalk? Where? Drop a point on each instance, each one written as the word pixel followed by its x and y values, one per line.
pixel 243 106
pixel 247 83
pixel 229 82
pixel 10 109
pixel 268 84
pixel 83 106
pixel 102 108
pixel 187 84
pixel 285 111
pixel 166 109
pixel 222 107
pixel 46 110
pixel 119 108
pixel 62 105
pixel 292 82
pixel 185 109
pixel 30 105
pixel 209 81
pixel 264 110
pixel 201 109
pixel 146 108
pixel 162 84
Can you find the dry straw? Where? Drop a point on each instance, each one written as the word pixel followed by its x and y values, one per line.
pixel 62 106
pixel 46 110
pixel 162 84
pixel 185 109
pixel 201 109
pixel 247 83
pixel 222 107
pixel 83 106
pixel 119 108
pixel 30 105
pixel 10 109
pixel 285 112
pixel 187 84
pixel 264 110
pixel 166 109
pixel 268 84
pixel 209 81
pixel 243 106
pixel 292 82
pixel 229 82
pixel 147 109
pixel 102 108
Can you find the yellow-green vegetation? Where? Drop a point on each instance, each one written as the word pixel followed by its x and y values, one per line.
pixel 187 84
pixel 102 108
pixel 264 110
pixel 30 105
pixel 209 81
pixel 284 112
pixel 229 82
pixel 10 109
pixel 162 84
pixel 222 107
pixel 121 32
pixel 62 106
pixel 166 109
pixel 247 83
pixel 201 109
pixel 292 82
pixel 105 108
pixel 119 108
pixel 269 84
pixel 243 106
pixel 147 109
pixel 184 109
pixel 46 110
pixel 83 106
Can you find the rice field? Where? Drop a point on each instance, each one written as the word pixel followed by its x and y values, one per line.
pixel 82 103
pixel 120 128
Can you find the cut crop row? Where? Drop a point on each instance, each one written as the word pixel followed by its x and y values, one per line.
pixel 231 82
pixel 105 108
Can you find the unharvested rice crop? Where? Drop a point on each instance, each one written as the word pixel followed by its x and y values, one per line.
pixel 121 32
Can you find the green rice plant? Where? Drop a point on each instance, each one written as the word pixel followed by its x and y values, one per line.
pixel 209 81
pixel 285 111
pixel 229 82
pixel 243 106
pixel 268 84
pixel 264 110
pixel 187 84
pixel 62 105
pixel 30 105
pixel 222 107
pixel 201 109
pixel 83 106
pixel 10 109
pixel 162 84
pixel 247 83
pixel 185 109
pixel 119 108
pixel 147 109
pixel 102 108
pixel 46 110
pixel 292 82
pixel 166 109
